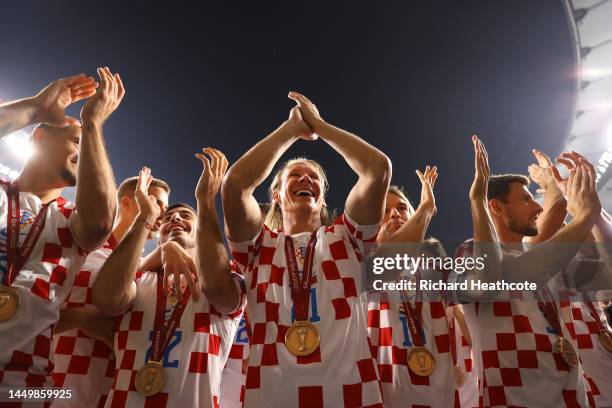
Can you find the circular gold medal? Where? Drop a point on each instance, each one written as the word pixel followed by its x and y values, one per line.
pixel 150 379
pixel 9 302
pixel 421 361
pixel 460 376
pixel 302 338
pixel 565 348
pixel 605 338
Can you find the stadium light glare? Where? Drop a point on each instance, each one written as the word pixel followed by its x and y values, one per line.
pixel 19 145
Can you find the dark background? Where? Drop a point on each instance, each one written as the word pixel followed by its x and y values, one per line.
pixel 416 79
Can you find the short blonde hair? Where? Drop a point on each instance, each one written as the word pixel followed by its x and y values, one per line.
pixel 274 216
pixel 401 193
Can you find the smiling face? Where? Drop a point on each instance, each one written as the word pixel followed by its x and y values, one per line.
pixel 397 212
pixel 178 224
pixel 301 188
pixel 57 151
pixel 519 211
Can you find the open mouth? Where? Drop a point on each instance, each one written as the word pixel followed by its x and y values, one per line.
pixel 304 193
pixel 177 228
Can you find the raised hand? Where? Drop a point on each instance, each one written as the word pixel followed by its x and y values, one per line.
pixel 149 210
pixel 542 173
pixel 99 107
pixel 428 181
pixel 310 113
pixel 478 191
pixel 177 262
pixel 582 198
pixel 51 103
pixel 297 125
pixel 212 174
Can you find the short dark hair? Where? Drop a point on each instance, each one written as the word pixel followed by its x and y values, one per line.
pixel 499 185
pixel 128 186
pixel 181 205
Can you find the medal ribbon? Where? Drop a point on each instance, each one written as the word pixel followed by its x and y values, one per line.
pixel 17 257
pixel 163 331
pixel 413 315
pixel 300 288
pixel 589 304
pixel 549 309
pixel 453 339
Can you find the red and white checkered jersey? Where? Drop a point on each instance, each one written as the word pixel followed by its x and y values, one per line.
pixel 341 372
pixel 596 360
pixel 193 360
pixel 42 285
pixel 391 342
pixel 82 364
pixel 515 355
pixel 234 375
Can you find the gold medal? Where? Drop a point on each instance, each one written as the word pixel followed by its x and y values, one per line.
pixel 565 348
pixel 302 338
pixel 460 376
pixel 9 302
pixel 421 362
pixel 605 338
pixel 150 379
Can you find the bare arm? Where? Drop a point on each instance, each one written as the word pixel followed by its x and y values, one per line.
pixel 47 106
pixel 242 214
pixel 366 201
pixel 115 290
pixel 95 195
pixel 92 322
pixel 212 261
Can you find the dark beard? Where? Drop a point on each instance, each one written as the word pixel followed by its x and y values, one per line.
pixel 69 177
pixel 526 230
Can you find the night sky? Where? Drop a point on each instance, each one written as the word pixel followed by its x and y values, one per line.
pixel 415 79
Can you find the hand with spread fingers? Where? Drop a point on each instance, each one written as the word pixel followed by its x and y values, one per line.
pixel 108 97
pixel 478 191
pixel 51 103
pixel 177 262
pixel 212 174
pixel 308 110
pixel 428 181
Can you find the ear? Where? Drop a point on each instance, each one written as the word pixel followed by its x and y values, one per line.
pixel 125 203
pixel 495 207
pixel 276 196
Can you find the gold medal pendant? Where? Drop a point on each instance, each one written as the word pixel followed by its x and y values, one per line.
pixel 421 362
pixel 565 348
pixel 302 338
pixel 150 379
pixel 605 338
pixel 9 303
pixel 460 376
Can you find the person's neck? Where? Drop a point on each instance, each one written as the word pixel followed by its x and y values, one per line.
pixel 39 183
pixel 296 222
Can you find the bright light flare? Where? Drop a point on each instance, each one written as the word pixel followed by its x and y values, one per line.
pixel 589 74
pixel 19 145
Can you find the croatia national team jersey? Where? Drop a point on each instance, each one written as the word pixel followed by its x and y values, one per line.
pixel 234 373
pixel 341 372
pixel 42 285
pixel 82 364
pixel 515 355
pixel 596 360
pixel 193 360
pixel 468 392
pixel 391 342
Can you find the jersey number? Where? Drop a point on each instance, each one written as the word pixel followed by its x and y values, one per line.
pixel 176 339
